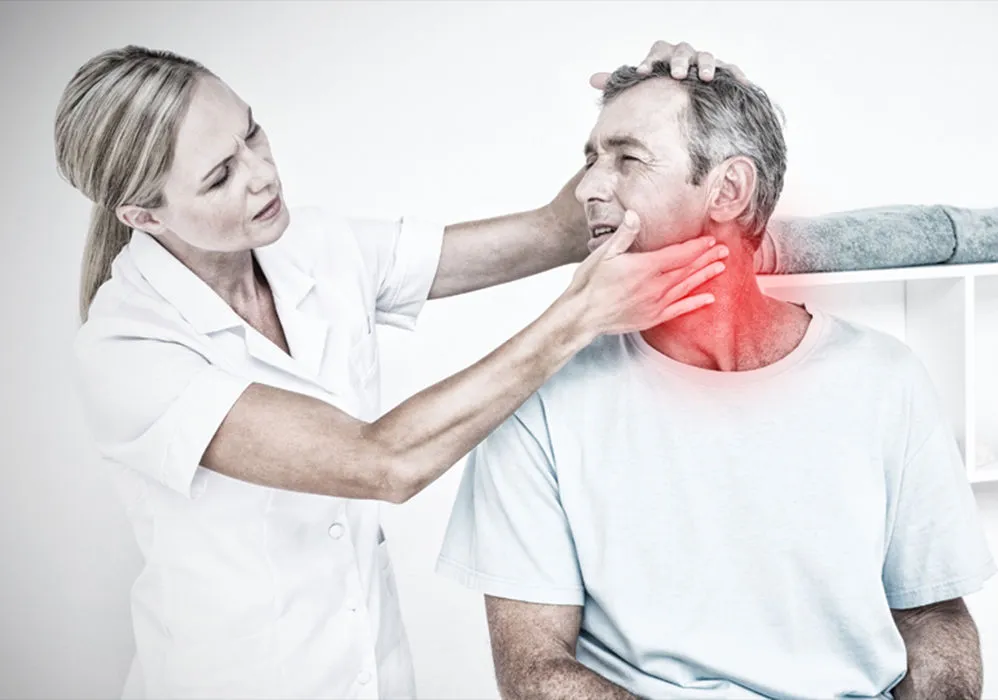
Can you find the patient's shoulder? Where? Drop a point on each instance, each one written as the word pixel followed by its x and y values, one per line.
pixel 581 386
pixel 872 344
pixel 874 358
pixel 590 370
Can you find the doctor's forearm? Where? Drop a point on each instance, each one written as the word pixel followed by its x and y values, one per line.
pixel 428 433
pixel 484 253
pixel 292 441
pixel 944 655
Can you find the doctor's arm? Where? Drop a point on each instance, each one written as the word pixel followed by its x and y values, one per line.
pixel 287 440
pixel 944 654
pixel 533 648
pixel 484 253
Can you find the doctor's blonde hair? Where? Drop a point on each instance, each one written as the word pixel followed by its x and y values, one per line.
pixel 115 132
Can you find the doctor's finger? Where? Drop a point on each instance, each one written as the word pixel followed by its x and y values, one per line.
pixel 684 306
pixel 734 70
pixel 660 51
pixel 697 252
pixel 705 65
pixel 598 80
pixel 677 291
pixel 679 64
pixel 624 236
pixel 712 254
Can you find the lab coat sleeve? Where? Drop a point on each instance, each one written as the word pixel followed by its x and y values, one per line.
pixel 152 403
pixel 508 535
pixel 402 259
pixel 936 546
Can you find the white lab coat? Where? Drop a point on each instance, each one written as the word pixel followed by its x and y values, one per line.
pixel 250 591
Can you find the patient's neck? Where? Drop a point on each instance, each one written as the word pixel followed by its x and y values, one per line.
pixel 743 329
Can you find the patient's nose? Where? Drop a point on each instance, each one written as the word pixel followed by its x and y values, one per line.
pixel 595 186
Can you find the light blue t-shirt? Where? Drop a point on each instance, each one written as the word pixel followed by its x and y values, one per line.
pixel 728 534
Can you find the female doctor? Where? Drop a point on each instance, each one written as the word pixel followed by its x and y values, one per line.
pixel 228 365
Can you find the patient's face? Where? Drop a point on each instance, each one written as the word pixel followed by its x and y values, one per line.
pixel 637 159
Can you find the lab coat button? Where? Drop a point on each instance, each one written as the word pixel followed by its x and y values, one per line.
pixel 336 531
pixel 364 678
pixel 351 605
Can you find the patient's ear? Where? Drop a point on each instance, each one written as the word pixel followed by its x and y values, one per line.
pixel 732 186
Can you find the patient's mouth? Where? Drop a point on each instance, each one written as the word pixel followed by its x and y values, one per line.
pixel 597 240
pixel 599 234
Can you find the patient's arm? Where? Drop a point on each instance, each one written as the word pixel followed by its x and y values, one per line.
pixel 533 647
pixel 944 653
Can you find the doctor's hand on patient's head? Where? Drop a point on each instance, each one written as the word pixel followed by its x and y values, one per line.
pixel 679 57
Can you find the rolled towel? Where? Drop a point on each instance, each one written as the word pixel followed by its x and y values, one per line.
pixel 976 234
pixel 866 239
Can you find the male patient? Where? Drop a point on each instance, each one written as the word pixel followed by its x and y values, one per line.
pixel 753 500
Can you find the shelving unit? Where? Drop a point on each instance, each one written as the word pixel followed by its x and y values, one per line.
pixel 947 314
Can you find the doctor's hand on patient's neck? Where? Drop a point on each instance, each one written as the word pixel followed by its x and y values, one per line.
pixel 616 291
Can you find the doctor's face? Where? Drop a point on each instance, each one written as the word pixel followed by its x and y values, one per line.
pixel 223 193
pixel 637 158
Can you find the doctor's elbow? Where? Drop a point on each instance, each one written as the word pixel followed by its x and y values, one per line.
pixel 394 475
pixel 399 483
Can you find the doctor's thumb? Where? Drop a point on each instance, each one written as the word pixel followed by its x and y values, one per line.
pixel 625 235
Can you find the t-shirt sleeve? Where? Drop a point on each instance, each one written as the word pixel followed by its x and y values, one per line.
pixel 152 403
pixel 508 535
pixel 937 548
pixel 403 257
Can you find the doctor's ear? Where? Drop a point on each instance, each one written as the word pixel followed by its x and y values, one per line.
pixel 732 188
pixel 138 218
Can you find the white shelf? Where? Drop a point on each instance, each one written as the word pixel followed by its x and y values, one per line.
pixel 983 384
pixel 947 314
pixel 984 473
pixel 893 274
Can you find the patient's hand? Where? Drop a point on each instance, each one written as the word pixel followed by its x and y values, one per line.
pixel 679 57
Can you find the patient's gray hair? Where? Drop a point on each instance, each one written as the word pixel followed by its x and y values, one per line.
pixel 725 117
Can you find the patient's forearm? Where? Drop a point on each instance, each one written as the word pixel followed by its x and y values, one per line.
pixel 559 679
pixel 944 654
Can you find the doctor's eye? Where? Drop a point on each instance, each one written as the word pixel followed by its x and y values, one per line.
pixel 221 181
pixel 253 132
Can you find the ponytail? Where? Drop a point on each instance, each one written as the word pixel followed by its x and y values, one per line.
pixel 106 238
pixel 115 132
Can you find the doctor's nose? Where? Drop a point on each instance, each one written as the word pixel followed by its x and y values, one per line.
pixel 263 172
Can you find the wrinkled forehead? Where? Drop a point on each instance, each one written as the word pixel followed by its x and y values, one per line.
pixel 649 111
pixel 215 116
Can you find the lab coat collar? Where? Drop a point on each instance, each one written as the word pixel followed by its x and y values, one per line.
pixel 305 333
pixel 289 283
pixel 195 300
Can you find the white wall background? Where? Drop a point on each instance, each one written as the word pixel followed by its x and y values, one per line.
pixel 447 111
